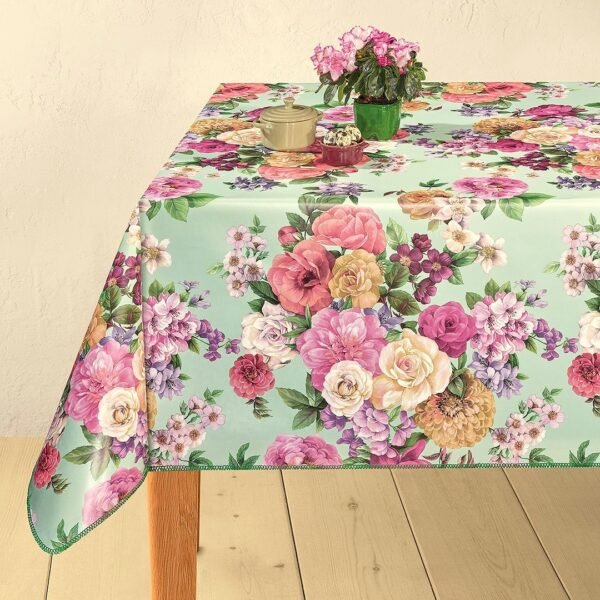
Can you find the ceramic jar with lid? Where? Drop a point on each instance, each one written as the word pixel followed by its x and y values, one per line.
pixel 289 126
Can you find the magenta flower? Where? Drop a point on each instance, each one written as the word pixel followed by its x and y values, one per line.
pixel 425 291
pixel 105 367
pixel 490 188
pixel 410 457
pixel 298 450
pixel 550 110
pixel 204 146
pixel 448 326
pixel 437 265
pixel 510 145
pixel 171 187
pixel 335 336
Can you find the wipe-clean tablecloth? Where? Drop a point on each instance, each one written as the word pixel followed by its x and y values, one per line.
pixel 436 305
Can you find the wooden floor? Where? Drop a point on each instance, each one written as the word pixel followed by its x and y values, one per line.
pixel 484 534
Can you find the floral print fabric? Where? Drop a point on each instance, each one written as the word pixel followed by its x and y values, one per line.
pixel 437 305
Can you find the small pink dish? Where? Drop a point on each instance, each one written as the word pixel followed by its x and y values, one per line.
pixel 342 156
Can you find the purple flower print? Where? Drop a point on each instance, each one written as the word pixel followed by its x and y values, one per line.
pixel 425 291
pixel 421 241
pixel 371 425
pixel 349 437
pixel 163 379
pixel 188 286
pixel 437 265
pixel 341 189
pixel 134 266
pixel 386 317
pixel 473 110
pixel 409 257
pixel 331 421
pixel 200 300
pixel 255 183
pixel 405 428
pixel 500 378
pixel 117 275
pixel 227 161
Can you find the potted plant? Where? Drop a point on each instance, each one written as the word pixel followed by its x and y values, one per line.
pixel 378 69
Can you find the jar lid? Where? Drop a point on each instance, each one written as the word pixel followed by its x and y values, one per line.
pixel 288 113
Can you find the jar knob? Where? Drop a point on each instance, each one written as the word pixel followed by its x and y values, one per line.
pixel 289 102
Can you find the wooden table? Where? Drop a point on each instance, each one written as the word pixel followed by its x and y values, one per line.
pixel 173 527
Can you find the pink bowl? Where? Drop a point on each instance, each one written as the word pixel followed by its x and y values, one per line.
pixel 342 156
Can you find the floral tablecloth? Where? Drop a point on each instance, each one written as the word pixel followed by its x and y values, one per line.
pixel 437 305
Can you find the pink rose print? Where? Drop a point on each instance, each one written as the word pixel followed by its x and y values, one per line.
pixel 238 90
pixel 171 187
pixel 587 171
pixel 104 367
pixel 550 110
pixel 335 336
pixel 341 114
pixel 104 496
pixel 350 227
pixel 584 375
pixel 250 376
pixel 290 173
pixel 298 450
pixel 300 278
pixel 510 145
pixel 490 188
pixel 507 88
pixel 448 326
pixel 412 456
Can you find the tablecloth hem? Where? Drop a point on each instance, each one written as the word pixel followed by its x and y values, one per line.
pixel 81 534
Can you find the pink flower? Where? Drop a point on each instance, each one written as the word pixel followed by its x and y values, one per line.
pixel 288 235
pixel 587 171
pixel 507 88
pixel 552 416
pixel 584 375
pixel 350 227
pixel 409 457
pixel 574 235
pixel 340 114
pixel 292 173
pixel 448 326
pixel 583 142
pixel 297 450
pixel 335 336
pixel 105 366
pixel 205 146
pixel 300 278
pixel 46 466
pixel 501 326
pixel 469 98
pixel 171 187
pixel 168 326
pixel 226 91
pixel 573 283
pixel 510 145
pixel 356 38
pixel 239 237
pixel 104 496
pixel 212 416
pixel 332 61
pixel 250 376
pixel 490 188
pixel 550 110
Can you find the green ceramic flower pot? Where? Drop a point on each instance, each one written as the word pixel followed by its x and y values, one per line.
pixel 377 121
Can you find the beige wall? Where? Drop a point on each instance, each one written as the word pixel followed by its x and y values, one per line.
pixel 94 94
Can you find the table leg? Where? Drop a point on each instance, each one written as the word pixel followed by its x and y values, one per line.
pixel 173 526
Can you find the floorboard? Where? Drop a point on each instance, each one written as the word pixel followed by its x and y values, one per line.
pixel 352 537
pixel 475 539
pixel 562 505
pixel 23 566
pixel 246 546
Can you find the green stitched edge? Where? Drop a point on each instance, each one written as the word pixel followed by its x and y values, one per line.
pixel 85 531
pixel 150 469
